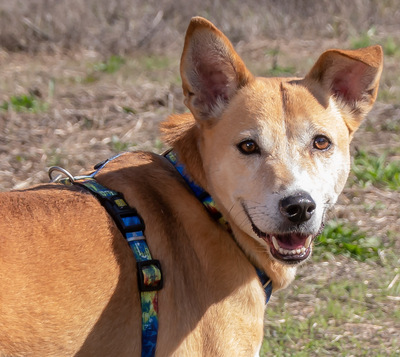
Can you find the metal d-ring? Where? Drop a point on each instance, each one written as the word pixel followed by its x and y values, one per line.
pixel 63 171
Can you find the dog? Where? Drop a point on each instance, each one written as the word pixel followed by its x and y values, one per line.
pixel 273 153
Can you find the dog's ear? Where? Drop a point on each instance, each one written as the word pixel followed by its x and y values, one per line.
pixel 211 70
pixel 351 77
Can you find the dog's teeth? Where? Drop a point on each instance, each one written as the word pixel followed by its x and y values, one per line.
pixel 308 242
pixel 275 243
pixel 297 251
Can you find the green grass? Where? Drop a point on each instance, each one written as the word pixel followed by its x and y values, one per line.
pixel 320 334
pixel 24 103
pixel 117 145
pixel 364 40
pixel 389 44
pixel 341 239
pixel 129 110
pixel 389 95
pixel 369 169
pixel 391 125
pixel 345 298
pixel 331 303
pixel 111 65
pixel 155 68
pixel 391 47
pixel 276 69
pixel 155 62
pixel 281 71
pixel 55 157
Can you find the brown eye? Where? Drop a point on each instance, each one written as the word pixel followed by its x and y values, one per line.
pixel 248 147
pixel 321 143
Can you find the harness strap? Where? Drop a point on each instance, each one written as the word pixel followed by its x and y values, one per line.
pixel 203 196
pixel 149 270
pixel 209 203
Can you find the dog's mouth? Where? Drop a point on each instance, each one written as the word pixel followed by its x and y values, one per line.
pixel 291 248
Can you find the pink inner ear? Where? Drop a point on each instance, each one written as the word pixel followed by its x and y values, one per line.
pixel 214 82
pixel 348 82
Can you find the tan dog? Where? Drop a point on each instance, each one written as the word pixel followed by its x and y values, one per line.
pixel 273 153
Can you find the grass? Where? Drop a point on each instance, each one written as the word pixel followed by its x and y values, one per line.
pixel 389 44
pixel 389 95
pixel 364 40
pixel 391 47
pixel 55 157
pixel 118 145
pixel 155 67
pixel 155 62
pixel 111 65
pixel 24 103
pixel 319 330
pixel 341 239
pixel 313 318
pixel 124 26
pixel 280 71
pixel 369 169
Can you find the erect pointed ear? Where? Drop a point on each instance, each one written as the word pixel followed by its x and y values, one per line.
pixel 211 70
pixel 351 77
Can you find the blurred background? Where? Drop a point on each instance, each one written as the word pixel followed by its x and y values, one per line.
pixel 81 80
pixel 122 26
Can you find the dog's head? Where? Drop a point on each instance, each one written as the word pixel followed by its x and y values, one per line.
pixel 275 151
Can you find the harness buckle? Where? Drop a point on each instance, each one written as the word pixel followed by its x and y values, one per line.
pixel 150 275
pixel 126 218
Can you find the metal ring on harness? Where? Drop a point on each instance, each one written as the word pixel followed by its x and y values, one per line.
pixel 63 171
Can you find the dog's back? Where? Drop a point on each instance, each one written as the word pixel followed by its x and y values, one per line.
pixel 62 264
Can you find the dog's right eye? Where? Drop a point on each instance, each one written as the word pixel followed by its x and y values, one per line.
pixel 248 147
pixel 321 143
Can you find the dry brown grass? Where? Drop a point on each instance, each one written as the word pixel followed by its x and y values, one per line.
pixel 112 26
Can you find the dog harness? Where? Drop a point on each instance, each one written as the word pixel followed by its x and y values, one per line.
pixel 132 227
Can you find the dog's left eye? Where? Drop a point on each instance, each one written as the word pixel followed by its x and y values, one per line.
pixel 248 147
pixel 321 143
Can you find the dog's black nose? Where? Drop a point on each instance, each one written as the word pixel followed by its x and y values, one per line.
pixel 297 208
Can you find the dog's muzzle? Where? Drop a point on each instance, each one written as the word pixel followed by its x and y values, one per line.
pixel 292 244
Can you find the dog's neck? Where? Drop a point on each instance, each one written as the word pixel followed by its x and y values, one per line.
pixel 182 134
pixel 208 202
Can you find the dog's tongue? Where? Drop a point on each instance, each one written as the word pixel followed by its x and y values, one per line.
pixel 291 241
